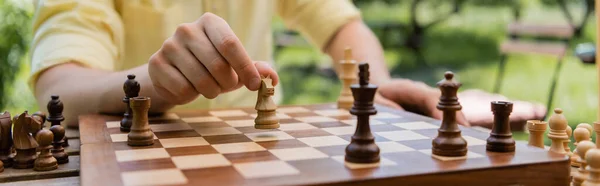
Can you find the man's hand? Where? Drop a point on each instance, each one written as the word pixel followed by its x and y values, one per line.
pixel 204 58
pixel 414 97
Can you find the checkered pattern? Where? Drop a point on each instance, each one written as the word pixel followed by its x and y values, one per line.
pixel 225 142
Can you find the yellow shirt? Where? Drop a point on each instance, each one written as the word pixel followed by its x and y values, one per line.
pixel 120 34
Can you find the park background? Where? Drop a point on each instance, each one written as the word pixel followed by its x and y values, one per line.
pixel 465 38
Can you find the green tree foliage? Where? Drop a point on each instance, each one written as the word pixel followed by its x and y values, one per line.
pixel 15 30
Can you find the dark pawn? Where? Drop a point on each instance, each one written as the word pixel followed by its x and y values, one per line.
pixel 132 89
pixel 500 139
pixel 6 141
pixel 45 161
pixel 362 148
pixel 55 117
pixel 57 148
pixel 449 141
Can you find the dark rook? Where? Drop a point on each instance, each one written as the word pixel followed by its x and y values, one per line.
pixel 500 139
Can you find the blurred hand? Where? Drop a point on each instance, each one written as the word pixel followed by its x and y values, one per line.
pixel 204 58
pixel 414 97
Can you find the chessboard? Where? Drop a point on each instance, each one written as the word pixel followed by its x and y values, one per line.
pixel 222 147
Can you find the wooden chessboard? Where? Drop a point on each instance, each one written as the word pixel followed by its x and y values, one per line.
pixel 221 147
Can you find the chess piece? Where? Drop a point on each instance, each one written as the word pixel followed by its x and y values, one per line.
pixel 132 89
pixel 41 118
pixel 140 133
pixel 6 141
pixel 580 134
pixel 362 147
pixel 449 141
pixel 592 159
pixel 55 117
pixel 582 173
pixel 45 161
pixel 536 132
pixel 266 116
pixel 569 131
pixel 25 144
pixel 501 139
pixel 586 126
pixel 347 74
pixel 58 151
pixel 558 126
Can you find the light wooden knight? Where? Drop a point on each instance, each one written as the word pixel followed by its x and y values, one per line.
pixel 266 117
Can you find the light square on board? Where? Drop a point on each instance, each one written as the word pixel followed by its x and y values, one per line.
pixel 382 162
pixel 301 153
pixel 340 130
pixel 416 125
pixel 470 155
pixel 292 109
pixel 113 124
pixel 228 113
pixel 141 154
pixel 265 169
pixel 333 112
pixel 183 142
pixel 241 123
pixel 154 177
pixel 269 136
pixel 315 119
pixel 402 135
pixel 200 119
pixel 471 141
pixel 296 126
pixel 217 131
pixel 170 127
pixel 200 161
pixel 321 141
pixel 390 146
pixel 238 147
pixel 386 115
pixel 371 122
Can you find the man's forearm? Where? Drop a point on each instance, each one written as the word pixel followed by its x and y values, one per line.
pixel 86 91
pixel 365 48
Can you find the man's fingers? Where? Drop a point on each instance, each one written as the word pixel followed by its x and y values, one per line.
pixel 230 47
pixel 171 80
pixel 264 69
pixel 461 119
pixel 386 102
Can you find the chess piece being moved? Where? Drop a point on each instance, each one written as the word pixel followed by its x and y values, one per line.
pixel 362 148
pixel 558 132
pixel 25 144
pixel 580 134
pixel 6 141
pixel 347 74
pixel 58 151
pixel 266 116
pixel 449 141
pixel 45 161
pixel 140 133
pixel 592 159
pixel 132 89
pixel 55 117
pixel 500 139
pixel 536 132
pixel 582 173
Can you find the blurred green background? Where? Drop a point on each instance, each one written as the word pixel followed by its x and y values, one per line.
pixel 466 42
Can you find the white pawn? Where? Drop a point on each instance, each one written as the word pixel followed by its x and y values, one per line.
pixel 580 134
pixel 558 134
pixel 588 127
pixel 582 149
pixel 592 158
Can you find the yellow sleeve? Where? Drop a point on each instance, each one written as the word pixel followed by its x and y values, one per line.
pixel 88 32
pixel 317 20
